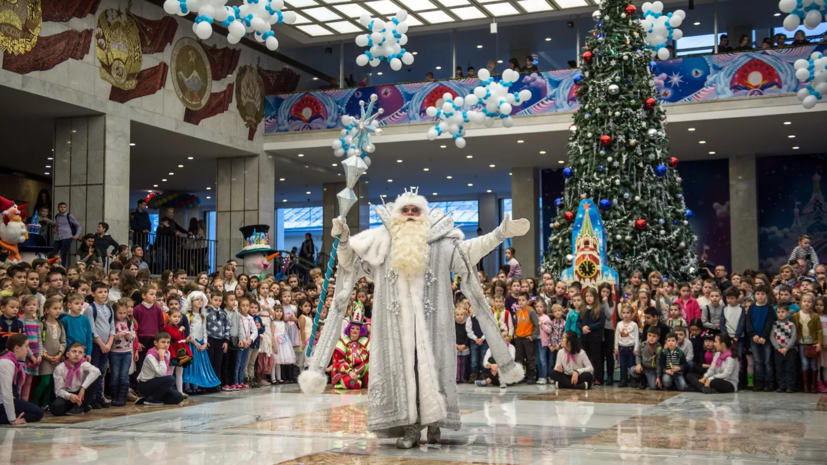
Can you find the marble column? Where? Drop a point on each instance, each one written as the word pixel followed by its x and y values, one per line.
pixel 244 194
pixel 489 219
pixel 525 203
pixel 91 171
pixel 358 218
pixel 743 208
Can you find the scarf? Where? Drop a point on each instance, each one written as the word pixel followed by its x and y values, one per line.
pixel 19 374
pixel 154 353
pixel 71 370
pixel 570 359
pixel 722 357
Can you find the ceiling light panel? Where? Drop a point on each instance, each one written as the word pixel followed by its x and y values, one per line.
pixel 450 3
pixel 412 21
pixel 501 9
pixel 436 17
pixel 352 10
pixel 321 14
pixel 301 3
pixel 336 1
pixel 384 7
pixel 418 5
pixel 300 19
pixel 467 13
pixel 345 27
pixel 571 3
pixel 314 30
pixel 534 6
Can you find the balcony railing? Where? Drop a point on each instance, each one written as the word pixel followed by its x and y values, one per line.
pixel 176 252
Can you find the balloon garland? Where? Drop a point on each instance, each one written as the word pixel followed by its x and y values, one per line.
pixel 488 103
pixel 385 41
pixel 813 72
pixel 256 16
pixel 355 137
pixel 660 28
pixel 811 12
pixel 173 200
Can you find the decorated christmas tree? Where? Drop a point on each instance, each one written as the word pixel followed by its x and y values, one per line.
pixel 619 157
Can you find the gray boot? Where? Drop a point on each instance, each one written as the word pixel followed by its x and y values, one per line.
pixel 433 435
pixel 411 437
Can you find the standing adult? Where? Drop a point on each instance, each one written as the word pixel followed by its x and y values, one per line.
pixel 308 253
pixel 140 224
pixel 413 358
pixel 721 278
pixel 67 230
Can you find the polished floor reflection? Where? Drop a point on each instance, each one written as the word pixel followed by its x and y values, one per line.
pixel 518 425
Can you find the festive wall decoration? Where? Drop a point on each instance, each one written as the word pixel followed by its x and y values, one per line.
pixel 385 41
pixel 256 16
pixel 173 200
pixel 704 78
pixel 588 250
pixel 191 73
pixel 118 46
pixel 647 228
pixel 20 23
pixel 249 97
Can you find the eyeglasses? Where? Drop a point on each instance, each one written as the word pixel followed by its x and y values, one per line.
pixel 412 209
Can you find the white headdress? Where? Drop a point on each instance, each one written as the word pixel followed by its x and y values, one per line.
pixel 411 197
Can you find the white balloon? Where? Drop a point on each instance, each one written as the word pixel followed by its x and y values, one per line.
pixel 403 40
pixel 813 19
pixel 646 6
pixel 821 88
pixel 272 43
pixel 236 28
pixel 339 152
pixel 787 6
pixel 362 60
pixel 810 102
pixel 508 122
pixel 407 58
pixel 677 34
pixel 231 39
pixel 483 74
pixel 207 10
pixel 396 64
pixel 432 134
pixel 203 30
pixel 657 7
pixel 362 40
pixel 471 99
pixel 365 20
pixel 375 62
pixel 675 21
pixel 366 160
pixel 525 95
pixel 505 108
pixel 402 15
pixel 288 17
pixel 792 22
pixel 663 53
pixel 460 142
pixel 378 25
pixel 172 7
pixel 402 28
pixel 680 13
pixel 376 38
pixel 802 74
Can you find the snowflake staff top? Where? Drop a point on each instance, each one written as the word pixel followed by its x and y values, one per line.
pixel 619 156
pixel 355 137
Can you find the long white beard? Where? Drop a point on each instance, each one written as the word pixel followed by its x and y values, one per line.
pixel 409 245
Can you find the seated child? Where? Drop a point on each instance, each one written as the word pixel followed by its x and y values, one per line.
pixel 75 385
pixel 15 412
pixel 675 319
pixel 703 360
pixel 672 364
pixel 722 376
pixel 572 370
pixel 647 361
pixel 156 381
pixel 490 372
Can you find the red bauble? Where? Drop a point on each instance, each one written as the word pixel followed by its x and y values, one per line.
pixel 651 103
pixel 630 10
pixel 606 140
pixel 588 57
pixel 569 217
pixel 640 224
pixel 674 162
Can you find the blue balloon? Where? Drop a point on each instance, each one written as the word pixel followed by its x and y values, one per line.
pixel 605 204
pixel 689 214
pixel 558 203
pixel 660 170
pixel 577 79
pixel 567 173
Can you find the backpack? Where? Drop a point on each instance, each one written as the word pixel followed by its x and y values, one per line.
pixel 95 313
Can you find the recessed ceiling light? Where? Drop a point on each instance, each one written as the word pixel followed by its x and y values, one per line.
pixel 74 131
pixel 334 164
pixel 470 185
pixel 399 161
pixel 443 146
pixel 189 158
pixel 284 200
pixel 777 14
pixel 542 152
pixel 560 162
pixel 499 61
pixel 489 191
pixel 492 166
pixel 449 177
pixel 787 123
pixel 426 169
pixel 180 166
pixel 208 197
pixel 435 193
pixel 48 166
pixel 172 174
pixel 791 136
pixel 301 154
pixel 469 156
pixel 691 129
pixel 697 24
pixel 479 46
pixel 46 173
pixel 439 67
pixel 281 179
pixel 548 39
pixel 49 158
pixel 155 185
pixel 383 195
pixel 509 174
pixel 702 142
pixel 390 180
pixel 379 73
pixel 308 192
pixel 315 79
pixel 209 188
pixel 132 144
pixel 414 53
pixel 520 141
pixel 163 180
pixel 795 148
pixel 712 153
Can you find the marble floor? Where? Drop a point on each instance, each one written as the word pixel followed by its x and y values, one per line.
pixel 518 425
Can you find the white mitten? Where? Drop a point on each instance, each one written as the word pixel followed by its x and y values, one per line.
pixel 514 228
pixel 341 229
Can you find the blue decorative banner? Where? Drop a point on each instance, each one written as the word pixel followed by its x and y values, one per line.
pixel 710 77
pixel 588 260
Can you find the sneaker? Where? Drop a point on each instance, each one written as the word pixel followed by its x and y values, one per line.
pixel 541 381
pixel 152 402
pixel 108 401
pixel 75 410
pixel 227 388
pixel 623 384
pixel 186 396
pixel 47 408
pixel 503 385
pixel 235 387
pixel 130 396
pixel 597 383
pixel 103 403
pixel 585 386
pixel 95 405
pixel 245 386
pixel 642 386
pixel 87 408
pixel 481 383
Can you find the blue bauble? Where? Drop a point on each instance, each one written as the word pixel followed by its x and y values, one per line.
pixel 676 222
pixel 559 203
pixel 660 170
pixel 664 279
pixel 567 173
pixel 603 152
pixel 689 214
pixel 577 79
pixel 600 168
pixel 618 255
pixel 605 204
pixel 587 116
